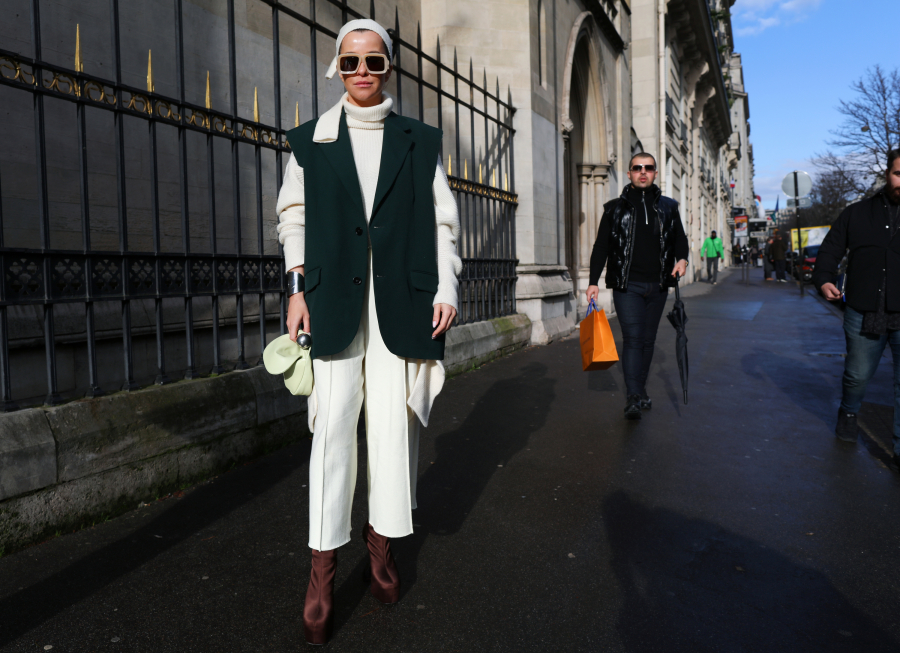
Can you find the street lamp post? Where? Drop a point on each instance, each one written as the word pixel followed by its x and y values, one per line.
pixel 799 242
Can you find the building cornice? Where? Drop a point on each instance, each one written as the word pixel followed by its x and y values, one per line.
pixel 604 22
pixel 697 31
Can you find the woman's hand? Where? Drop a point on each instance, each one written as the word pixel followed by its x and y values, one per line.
pixel 297 315
pixel 592 293
pixel 444 314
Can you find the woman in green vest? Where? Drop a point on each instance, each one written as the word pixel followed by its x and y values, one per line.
pixel 369 227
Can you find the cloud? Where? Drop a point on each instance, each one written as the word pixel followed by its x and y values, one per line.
pixel 752 17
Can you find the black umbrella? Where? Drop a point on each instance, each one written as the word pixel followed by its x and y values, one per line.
pixel 678 319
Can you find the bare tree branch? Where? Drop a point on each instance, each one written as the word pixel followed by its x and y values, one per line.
pixel 871 128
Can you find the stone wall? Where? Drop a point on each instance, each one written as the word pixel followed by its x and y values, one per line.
pixel 63 466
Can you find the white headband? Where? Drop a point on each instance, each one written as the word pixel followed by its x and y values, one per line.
pixel 363 23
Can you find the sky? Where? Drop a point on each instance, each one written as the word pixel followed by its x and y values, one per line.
pixel 800 58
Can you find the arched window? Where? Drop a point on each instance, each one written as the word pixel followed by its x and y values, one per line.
pixel 542 43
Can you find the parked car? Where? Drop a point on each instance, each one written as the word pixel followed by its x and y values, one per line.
pixel 806 267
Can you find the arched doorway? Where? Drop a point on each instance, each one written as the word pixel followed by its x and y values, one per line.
pixel 586 166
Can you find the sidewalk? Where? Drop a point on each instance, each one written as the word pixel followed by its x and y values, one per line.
pixel 546 522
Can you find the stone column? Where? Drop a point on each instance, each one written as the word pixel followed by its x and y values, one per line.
pixel 593 182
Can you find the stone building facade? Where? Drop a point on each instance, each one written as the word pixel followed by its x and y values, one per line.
pixel 684 99
pixel 568 66
pixel 741 156
pixel 594 82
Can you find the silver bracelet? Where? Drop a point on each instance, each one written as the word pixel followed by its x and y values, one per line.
pixel 295 282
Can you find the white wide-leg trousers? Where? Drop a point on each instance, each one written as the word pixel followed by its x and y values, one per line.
pixel 368 375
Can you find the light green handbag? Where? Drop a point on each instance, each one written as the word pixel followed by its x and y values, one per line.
pixel 284 356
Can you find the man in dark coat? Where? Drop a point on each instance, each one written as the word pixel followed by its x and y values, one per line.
pixel 868 229
pixel 778 250
pixel 767 260
pixel 643 240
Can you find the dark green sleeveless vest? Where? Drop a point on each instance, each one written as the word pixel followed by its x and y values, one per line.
pixel 401 229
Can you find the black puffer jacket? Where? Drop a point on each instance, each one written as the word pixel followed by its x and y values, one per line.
pixel 615 240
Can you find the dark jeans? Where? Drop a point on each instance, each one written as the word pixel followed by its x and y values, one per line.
pixel 639 309
pixel 863 354
pixel 712 269
pixel 779 270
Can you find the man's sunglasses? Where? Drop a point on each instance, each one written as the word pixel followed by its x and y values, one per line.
pixel 376 64
pixel 649 167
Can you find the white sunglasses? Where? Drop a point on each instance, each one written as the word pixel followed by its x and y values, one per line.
pixel 376 64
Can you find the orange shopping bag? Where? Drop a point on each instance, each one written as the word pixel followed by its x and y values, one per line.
pixel 598 349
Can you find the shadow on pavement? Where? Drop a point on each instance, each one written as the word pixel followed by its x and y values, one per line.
pixel 670 378
pixel 801 382
pixel 496 429
pixel 690 585
pixel 32 606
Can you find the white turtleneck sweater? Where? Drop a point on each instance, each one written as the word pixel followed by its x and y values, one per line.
pixel 366 128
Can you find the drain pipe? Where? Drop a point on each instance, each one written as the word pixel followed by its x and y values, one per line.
pixel 558 135
pixel 661 19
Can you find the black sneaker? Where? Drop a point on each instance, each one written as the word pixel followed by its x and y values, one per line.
pixel 646 402
pixel 846 426
pixel 633 407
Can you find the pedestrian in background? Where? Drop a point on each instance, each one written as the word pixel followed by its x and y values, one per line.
pixel 779 249
pixel 642 243
pixel 712 251
pixel 868 229
pixel 768 267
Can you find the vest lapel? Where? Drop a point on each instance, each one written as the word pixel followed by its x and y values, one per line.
pixel 340 155
pixel 394 148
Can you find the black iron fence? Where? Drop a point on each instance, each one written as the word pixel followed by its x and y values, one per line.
pixel 199 263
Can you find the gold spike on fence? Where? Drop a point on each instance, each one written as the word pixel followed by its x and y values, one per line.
pixel 208 99
pixel 255 105
pixel 150 87
pixel 79 63
pixel 297 115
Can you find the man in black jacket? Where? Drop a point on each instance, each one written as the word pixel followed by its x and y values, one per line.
pixel 868 229
pixel 778 250
pixel 641 238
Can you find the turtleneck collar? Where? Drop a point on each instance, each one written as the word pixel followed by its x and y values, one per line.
pixel 367 117
pixel 635 194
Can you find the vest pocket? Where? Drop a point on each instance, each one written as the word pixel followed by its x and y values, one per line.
pixel 311 280
pixel 424 281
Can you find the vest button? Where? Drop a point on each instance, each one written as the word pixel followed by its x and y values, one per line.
pixel 357 280
pixel 359 231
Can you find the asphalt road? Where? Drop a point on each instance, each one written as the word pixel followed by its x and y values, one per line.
pixel 545 521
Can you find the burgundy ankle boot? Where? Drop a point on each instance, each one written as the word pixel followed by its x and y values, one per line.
pixel 385 584
pixel 318 610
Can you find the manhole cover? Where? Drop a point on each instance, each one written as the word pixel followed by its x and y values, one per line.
pixel 829 354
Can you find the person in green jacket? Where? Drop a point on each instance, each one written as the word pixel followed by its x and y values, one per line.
pixel 712 251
